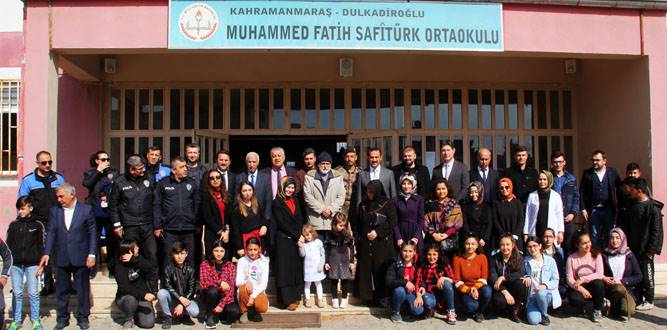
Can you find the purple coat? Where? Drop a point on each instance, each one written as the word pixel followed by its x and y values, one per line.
pixel 410 219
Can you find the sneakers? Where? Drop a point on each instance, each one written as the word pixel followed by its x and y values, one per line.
pixel 244 318
pixel 210 321
pixel 597 316
pixel 396 317
pixel 343 303
pixel 166 322
pixel 321 303
pixel 545 321
pixel 128 324
pixel 36 325
pixel 451 317
pixel 334 303
pixel 478 317
pixel 14 326
pixel 307 303
pixel 186 320
pixel 292 307
pixel 645 306
pixel 254 316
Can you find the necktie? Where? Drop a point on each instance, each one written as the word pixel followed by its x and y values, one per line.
pixel 446 171
pixel 484 174
pixel 252 179
pixel 223 177
pixel 278 179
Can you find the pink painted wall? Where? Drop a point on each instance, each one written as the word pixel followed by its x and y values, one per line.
pixel 7 208
pixel 576 30
pixel 11 49
pixel 79 128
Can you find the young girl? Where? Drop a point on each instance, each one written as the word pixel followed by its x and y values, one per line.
pixel 542 281
pixel 470 272
pixel 252 277
pixel 216 284
pixel 247 218
pixel 434 282
pixel 585 271
pixel 549 248
pixel 506 271
pixel 622 276
pixel 137 286
pixel 312 250
pixel 340 261
pixel 25 239
pixel 400 280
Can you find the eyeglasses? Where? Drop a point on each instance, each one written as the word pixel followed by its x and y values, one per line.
pixel 104 159
pixel 504 187
pixel 214 178
pixel 44 163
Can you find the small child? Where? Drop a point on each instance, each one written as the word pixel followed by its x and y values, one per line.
pixel 313 264
pixel 25 239
pixel 178 289
pixel 340 262
pixel 252 277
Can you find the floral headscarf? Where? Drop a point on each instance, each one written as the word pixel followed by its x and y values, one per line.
pixel 412 179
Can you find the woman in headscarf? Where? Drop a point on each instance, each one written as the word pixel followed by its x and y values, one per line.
pixel 544 209
pixel 477 215
pixel 621 275
pixel 375 238
pixel 508 215
pixel 288 219
pixel 410 212
pixel 443 218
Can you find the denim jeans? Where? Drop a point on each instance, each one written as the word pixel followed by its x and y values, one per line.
pixel 479 305
pixel 401 296
pixel 601 223
pixel 30 274
pixel 537 306
pixel 167 303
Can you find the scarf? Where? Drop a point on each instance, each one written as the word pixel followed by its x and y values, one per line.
pixel 509 183
pixel 550 180
pixel 480 189
pixel 284 182
pixel 379 198
pixel 623 249
pixel 412 179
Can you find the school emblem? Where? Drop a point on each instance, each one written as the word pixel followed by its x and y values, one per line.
pixel 188 187
pixel 147 183
pixel 198 22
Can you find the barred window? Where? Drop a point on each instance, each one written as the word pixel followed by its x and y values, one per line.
pixel 9 113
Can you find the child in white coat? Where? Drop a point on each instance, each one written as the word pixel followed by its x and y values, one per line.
pixel 313 264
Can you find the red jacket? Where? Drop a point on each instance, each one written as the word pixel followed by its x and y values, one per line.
pixel 208 277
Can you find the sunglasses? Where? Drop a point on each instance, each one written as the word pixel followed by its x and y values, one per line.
pixel 46 162
pixel 104 159
pixel 504 187
pixel 214 178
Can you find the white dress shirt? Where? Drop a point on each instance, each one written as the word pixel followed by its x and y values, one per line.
pixel 447 169
pixel 483 173
pixel 69 214
pixel 375 173
pixel 601 173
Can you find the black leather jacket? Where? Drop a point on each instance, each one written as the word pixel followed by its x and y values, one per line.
pixel 180 282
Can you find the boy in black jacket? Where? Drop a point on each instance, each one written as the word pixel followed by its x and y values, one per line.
pixel 137 286
pixel 178 289
pixel 25 239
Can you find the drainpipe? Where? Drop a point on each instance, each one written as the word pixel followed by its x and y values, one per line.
pixel 641 31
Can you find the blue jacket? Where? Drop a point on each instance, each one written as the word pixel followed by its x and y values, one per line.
pixel 43 192
pixel 569 194
pixel 71 247
pixel 549 277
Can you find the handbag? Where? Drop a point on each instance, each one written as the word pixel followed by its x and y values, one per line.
pixel 451 243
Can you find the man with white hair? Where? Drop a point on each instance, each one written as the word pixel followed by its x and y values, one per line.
pixel 258 179
pixel 278 170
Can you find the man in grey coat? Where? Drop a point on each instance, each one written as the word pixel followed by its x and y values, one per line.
pixel 455 172
pixel 324 194
pixel 376 172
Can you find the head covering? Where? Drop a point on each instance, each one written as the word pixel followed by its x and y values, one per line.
pixel 284 182
pixel 623 249
pixel 550 179
pixel 307 152
pixel 350 149
pixel 379 197
pixel 324 157
pixel 412 179
pixel 480 189
pixel 511 194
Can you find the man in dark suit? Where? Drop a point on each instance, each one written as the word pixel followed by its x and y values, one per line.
pixel 523 176
pixel 410 166
pixel 278 170
pixel 599 200
pixel 455 172
pixel 488 176
pixel 72 240
pixel 258 179
pixel 376 171
pixel 223 160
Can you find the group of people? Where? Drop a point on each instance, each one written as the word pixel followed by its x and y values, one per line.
pixel 202 242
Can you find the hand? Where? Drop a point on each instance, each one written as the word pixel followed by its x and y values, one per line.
pixel 560 237
pixel 126 257
pixel 3 281
pixel 184 301
pixel 251 302
pixel 249 286
pixel 410 287
pixel 525 238
pixel 441 283
pixel 224 286
pixel 320 269
pixel 539 288
pixel 527 281
pixel 149 297
pixel 39 272
pixel 224 237
pixel 372 235
pixel 178 311
pixel 353 267
pixel 300 244
pixel 474 293
pixel 157 232
pixel 326 213
pixel 262 231
pixel 569 218
pixel 44 261
pixel 585 215
pixel 103 166
pixel 327 266
pixel 499 281
pixel 118 231
pixel 585 293
pixel 90 262
pixel 414 240
pixel 240 252
pixel 439 237
pixel 508 297
pixel 608 280
pixel 482 243
pixel 217 310
pixel 577 284
pixel 419 301
pixel 399 243
pixel 302 240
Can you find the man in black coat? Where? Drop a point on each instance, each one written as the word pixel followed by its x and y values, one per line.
pixel 410 166
pixel 599 199
pixel 488 176
pixel 260 180
pixel 223 161
pixel 523 176
pixel 452 170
